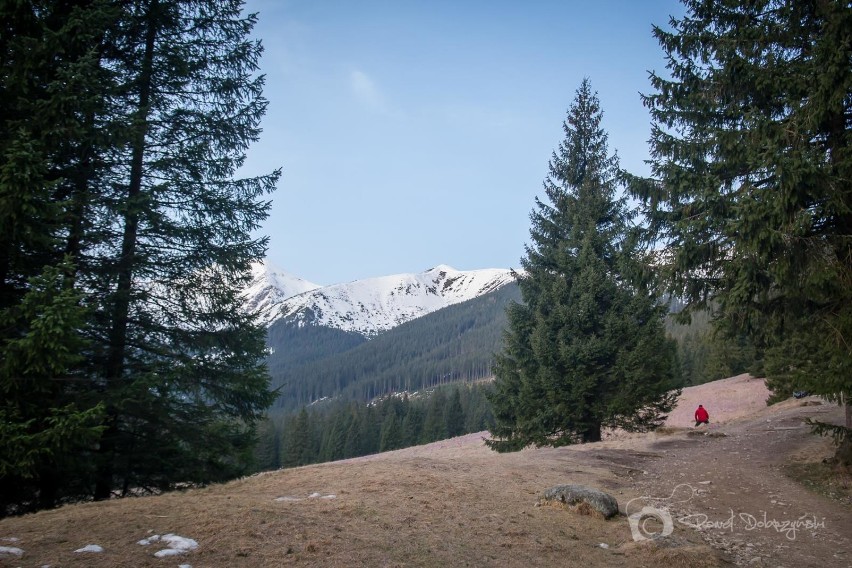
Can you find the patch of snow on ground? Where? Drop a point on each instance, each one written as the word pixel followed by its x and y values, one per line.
pixel 176 544
pixel 315 495
pixel 90 548
pixel 11 550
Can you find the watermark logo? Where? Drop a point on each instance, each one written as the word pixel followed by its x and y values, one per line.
pixel 748 522
pixel 655 518
pixel 645 523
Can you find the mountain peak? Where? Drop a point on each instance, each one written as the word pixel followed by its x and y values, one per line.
pixel 373 305
pixel 270 286
pixel 442 268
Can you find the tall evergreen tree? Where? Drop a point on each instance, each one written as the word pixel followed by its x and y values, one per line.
pixel 298 449
pixel 334 437
pixel 751 183
pixel 434 425
pixel 123 126
pixel 182 360
pixel 586 349
pixel 391 433
pixel 412 425
pixel 51 88
pixel 454 415
pixel 268 450
pixel 44 431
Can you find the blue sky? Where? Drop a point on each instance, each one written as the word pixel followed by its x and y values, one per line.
pixel 417 133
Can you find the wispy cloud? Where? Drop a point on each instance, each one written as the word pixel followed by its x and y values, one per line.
pixel 367 92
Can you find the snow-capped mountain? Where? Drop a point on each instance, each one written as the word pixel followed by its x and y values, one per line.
pixel 373 305
pixel 270 287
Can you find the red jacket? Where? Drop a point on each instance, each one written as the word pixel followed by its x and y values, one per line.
pixel 701 414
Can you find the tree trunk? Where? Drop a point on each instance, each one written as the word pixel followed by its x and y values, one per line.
pixel 126 263
pixel 592 434
pixel 48 487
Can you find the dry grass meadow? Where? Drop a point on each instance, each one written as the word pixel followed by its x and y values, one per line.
pixel 447 504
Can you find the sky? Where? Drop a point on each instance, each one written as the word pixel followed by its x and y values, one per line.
pixel 413 133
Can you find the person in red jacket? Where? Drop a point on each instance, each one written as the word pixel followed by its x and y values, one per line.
pixel 701 416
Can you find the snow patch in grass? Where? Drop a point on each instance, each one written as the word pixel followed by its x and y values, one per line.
pixel 315 495
pixel 11 550
pixel 91 548
pixel 176 544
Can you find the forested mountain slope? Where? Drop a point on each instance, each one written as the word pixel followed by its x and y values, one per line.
pixel 309 363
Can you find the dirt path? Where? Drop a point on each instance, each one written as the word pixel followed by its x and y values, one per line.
pixel 728 484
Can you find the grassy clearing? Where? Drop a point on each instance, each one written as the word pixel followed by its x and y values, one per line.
pixel 453 503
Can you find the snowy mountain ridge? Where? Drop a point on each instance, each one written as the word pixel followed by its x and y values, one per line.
pixel 270 287
pixel 369 306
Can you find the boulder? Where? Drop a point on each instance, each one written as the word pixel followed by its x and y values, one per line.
pixel 575 494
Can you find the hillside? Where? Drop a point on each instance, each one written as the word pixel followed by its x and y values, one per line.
pixel 456 503
pixel 447 345
pixel 406 332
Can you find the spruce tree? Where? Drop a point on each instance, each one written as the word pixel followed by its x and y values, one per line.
pixel 298 447
pixel 45 431
pixel 412 424
pixel 434 425
pixel 123 127
pixel 586 348
pixel 751 185
pixel 267 452
pixel 334 440
pixel 391 433
pixel 454 415
pixel 51 88
pixel 182 359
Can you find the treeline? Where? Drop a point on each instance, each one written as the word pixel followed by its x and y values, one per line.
pixel 338 430
pixel 313 424
pixel 306 427
pixel 454 344
pixel 447 346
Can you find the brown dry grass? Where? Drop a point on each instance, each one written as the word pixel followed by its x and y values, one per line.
pixel 452 503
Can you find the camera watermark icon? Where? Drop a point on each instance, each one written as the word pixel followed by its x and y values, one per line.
pixel 644 524
pixel 654 520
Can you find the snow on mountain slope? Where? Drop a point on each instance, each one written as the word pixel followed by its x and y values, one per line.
pixel 270 287
pixel 373 305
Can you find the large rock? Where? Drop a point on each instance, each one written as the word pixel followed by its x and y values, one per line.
pixel 575 494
